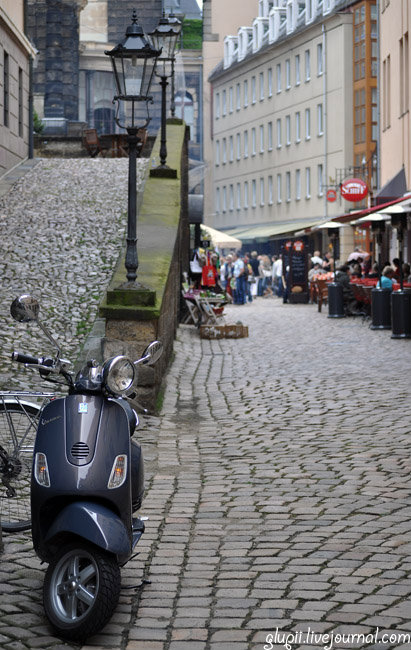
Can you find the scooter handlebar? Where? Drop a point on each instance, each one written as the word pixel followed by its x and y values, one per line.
pixel 26 358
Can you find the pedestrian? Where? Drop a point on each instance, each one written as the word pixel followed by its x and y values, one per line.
pixel 278 276
pixel 239 280
pixel 265 272
pixel 255 265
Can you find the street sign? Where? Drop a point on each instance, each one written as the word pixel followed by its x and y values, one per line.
pixel 354 189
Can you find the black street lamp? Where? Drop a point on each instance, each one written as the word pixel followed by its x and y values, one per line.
pixel 165 38
pixel 134 61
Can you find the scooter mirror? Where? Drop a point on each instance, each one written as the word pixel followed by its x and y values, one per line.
pixel 152 353
pixel 25 309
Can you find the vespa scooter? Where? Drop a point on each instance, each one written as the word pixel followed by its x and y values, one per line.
pixel 87 481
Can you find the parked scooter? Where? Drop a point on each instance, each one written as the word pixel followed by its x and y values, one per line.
pixel 87 481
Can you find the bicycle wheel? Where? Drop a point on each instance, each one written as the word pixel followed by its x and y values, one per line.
pixel 18 426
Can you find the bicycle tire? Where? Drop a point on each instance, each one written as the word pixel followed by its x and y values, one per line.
pixel 15 512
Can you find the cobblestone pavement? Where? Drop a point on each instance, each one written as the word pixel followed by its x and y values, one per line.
pixel 278 472
pixel 61 228
pixel 278 497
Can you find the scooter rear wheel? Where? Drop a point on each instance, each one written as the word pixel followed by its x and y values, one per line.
pixel 81 590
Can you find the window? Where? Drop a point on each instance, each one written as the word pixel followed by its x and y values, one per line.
pixel 270 136
pixel 288 186
pixel 307 124
pixel 261 86
pixel 278 133
pixel 287 130
pixel 278 77
pixel 261 191
pixel 320 180
pixel 298 126
pixel 287 74
pixel 386 83
pixel 6 91
pixel 224 110
pixel 253 193
pixel 231 148
pixel 307 65
pixel 359 116
pixel 270 82
pixel 224 151
pixel 253 90
pixel 297 184
pixel 231 198
pixel 297 70
pixel 307 183
pixel 230 99
pixel 217 152
pixel 320 64
pixel 20 103
pixel 261 138
pixel 320 119
pixel 238 97
pixel 270 190
pixel 238 196
pixel 224 199
pixel 217 200
pixel 217 106
pixel 245 93
pixel 246 194
pixel 404 81
pixel 245 144
pixel 278 188
pixel 253 142
pixel 238 140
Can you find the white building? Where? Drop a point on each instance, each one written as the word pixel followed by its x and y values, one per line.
pixel 282 120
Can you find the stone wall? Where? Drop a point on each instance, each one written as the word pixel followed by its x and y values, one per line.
pixel 150 309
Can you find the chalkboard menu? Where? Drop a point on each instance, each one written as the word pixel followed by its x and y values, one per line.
pixel 296 257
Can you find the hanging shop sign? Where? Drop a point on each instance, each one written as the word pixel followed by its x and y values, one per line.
pixel 354 189
pixel 331 195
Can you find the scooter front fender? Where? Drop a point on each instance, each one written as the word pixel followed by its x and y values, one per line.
pixel 95 523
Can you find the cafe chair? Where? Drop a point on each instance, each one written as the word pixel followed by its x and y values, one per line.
pixel 92 143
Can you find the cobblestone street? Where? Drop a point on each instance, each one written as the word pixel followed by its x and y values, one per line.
pixel 278 487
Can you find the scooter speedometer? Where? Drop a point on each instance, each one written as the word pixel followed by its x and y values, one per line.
pixel 119 375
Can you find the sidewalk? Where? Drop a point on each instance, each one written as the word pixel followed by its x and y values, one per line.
pixel 278 496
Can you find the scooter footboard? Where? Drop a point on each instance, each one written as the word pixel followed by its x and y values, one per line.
pixel 95 523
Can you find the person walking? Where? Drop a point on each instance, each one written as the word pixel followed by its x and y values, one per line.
pixel 240 280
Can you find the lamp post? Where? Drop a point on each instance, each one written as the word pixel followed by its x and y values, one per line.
pixel 133 61
pixel 165 37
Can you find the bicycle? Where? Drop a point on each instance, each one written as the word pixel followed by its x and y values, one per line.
pixel 18 426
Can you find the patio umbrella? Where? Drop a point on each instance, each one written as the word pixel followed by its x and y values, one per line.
pixel 221 239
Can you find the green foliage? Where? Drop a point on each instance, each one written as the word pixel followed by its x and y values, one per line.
pixel 192 34
pixel 38 125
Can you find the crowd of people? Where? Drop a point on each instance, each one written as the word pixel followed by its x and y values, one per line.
pixel 247 276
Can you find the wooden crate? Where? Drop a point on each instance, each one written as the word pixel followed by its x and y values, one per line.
pixel 236 331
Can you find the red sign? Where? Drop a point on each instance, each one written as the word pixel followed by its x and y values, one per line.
pixel 331 196
pixel 298 246
pixel 354 189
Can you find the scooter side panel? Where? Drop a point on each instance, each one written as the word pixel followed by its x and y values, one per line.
pixel 95 523
pixel 73 482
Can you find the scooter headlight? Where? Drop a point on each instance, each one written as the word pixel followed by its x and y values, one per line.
pixel 119 375
pixel 41 470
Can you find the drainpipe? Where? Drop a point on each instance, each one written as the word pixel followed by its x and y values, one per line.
pixel 31 110
pixel 31 104
pixel 325 115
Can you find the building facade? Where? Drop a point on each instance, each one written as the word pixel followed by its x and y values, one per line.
pixel 16 56
pixel 219 19
pixel 395 56
pixel 282 122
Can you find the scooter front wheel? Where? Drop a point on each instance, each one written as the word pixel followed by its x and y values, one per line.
pixel 81 591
